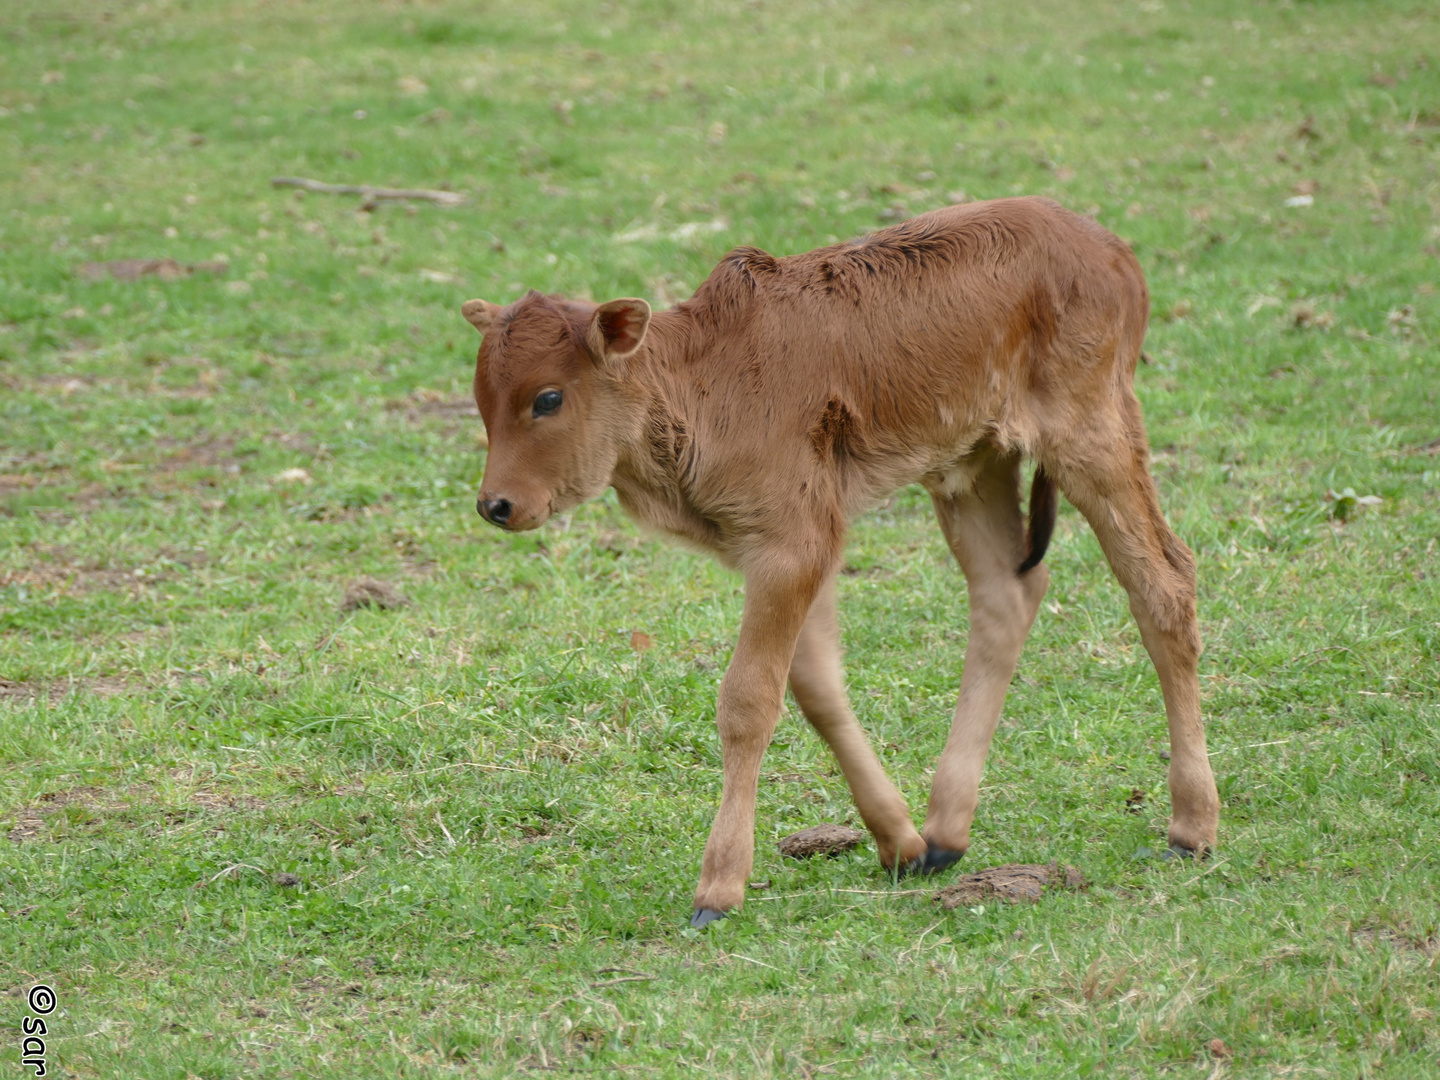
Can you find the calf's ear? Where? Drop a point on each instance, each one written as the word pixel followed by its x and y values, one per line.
pixel 618 327
pixel 479 313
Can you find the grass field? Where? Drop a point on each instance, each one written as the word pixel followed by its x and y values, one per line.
pixel 252 834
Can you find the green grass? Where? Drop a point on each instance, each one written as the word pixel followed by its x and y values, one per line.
pixel 489 798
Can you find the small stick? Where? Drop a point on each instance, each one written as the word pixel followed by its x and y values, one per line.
pixel 370 194
pixel 749 960
pixel 342 880
pixel 439 821
pixel 854 892
pixel 624 979
pixel 1250 746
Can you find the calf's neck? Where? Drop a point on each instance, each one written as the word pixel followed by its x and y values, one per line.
pixel 757 418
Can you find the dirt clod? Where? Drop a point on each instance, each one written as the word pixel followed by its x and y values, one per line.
pixel 1218 1049
pixel 372 592
pixel 820 840
pixel 1012 883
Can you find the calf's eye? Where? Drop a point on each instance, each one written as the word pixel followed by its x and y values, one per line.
pixel 546 402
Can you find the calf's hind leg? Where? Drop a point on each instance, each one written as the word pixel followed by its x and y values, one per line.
pixel 818 684
pixel 986 532
pixel 1118 498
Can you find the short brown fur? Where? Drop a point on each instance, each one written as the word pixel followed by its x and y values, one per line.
pixel 757 418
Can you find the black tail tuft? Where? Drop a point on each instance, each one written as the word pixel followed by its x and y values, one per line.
pixel 1043 499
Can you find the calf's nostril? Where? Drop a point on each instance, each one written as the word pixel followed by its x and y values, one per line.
pixel 496 511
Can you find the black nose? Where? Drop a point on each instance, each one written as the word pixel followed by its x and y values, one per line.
pixel 495 511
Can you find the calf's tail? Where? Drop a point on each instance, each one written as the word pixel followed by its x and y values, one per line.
pixel 1043 502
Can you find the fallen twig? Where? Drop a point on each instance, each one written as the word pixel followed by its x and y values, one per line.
pixel 342 880
pixel 749 960
pixel 619 1017
pixel 853 892
pixel 623 979
pixel 1250 746
pixel 484 765
pixel 369 193
pixel 1216 865
pixel 440 821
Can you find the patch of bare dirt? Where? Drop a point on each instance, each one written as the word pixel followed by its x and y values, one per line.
pixel 219 801
pixel 555 750
pixel 215 453
pixel 424 404
pixel 820 840
pixel 218 451
pixel 33 821
pixel 24 472
pixel 616 542
pixel 1013 883
pixel 23 691
pixel 103 685
pixel 373 593
pixel 1402 939
pixel 56 571
pixel 26 827
pixel 56 567
pixel 11 483
pixel 135 475
pixel 77 503
pixel 134 269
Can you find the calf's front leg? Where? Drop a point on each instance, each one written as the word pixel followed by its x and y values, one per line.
pixel 819 688
pixel 778 594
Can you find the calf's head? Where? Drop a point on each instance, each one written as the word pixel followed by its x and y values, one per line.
pixel 549 385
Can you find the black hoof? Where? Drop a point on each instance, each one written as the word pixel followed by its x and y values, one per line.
pixel 704 916
pixel 933 861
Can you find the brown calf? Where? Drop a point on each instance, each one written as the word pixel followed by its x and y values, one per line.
pixel 757 418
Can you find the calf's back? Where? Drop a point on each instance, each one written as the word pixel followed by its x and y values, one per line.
pixel 859 367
